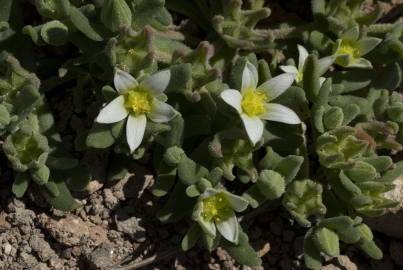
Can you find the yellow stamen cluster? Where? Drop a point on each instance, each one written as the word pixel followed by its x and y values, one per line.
pixel 216 208
pixel 138 101
pixel 253 102
pixel 348 47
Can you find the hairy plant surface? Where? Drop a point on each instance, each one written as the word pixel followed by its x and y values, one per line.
pixel 231 111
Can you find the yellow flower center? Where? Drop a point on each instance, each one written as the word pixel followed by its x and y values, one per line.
pixel 300 77
pixel 253 102
pixel 138 101
pixel 348 47
pixel 216 208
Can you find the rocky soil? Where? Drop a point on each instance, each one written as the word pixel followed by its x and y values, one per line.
pixel 115 225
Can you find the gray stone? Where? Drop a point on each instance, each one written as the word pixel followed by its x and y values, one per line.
pixel 21 216
pixel 345 262
pixel 27 260
pixel 130 226
pixel 55 263
pixel 4 225
pixel 7 248
pixel 41 248
pixel 72 231
pixel 330 267
pixel 94 186
pixel 110 200
pixel 101 257
pixel 41 266
pixel 14 205
pixel 222 254
pixel 396 194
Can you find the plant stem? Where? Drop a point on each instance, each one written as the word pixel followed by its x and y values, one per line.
pixel 153 259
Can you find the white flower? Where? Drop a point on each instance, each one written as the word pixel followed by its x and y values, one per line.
pixel 252 103
pixel 138 102
pixel 215 210
pixel 349 49
pixel 324 64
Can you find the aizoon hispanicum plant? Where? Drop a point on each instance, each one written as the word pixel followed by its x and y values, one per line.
pixel 307 113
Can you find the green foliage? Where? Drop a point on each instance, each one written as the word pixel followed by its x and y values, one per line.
pixel 337 148
pixel 243 252
pixel 327 234
pixel 30 143
pixel 191 237
pixel 26 149
pixel 116 14
pixel 232 112
pixel 303 199
pixel 269 186
pixel 327 241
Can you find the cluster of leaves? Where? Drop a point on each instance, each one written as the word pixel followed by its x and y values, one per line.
pixel 228 125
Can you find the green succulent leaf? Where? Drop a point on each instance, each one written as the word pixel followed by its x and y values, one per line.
pixel 243 252
pixel 59 196
pixel 21 184
pixel 327 241
pixel 191 237
pixel 26 149
pixel 41 175
pixel 372 250
pixel 55 33
pixel 116 14
pixel 102 136
pixel 303 199
pixel 269 186
pixel 312 256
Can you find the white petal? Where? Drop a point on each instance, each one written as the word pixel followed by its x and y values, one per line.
pixel 280 113
pixel 229 228
pixel 336 47
pixel 238 203
pixel 249 77
pixel 321 80
pixel 344 60
pixel 135 127
pixel 277 85
pixel 289 69
pixel 360 63
pixel 366 45
pixel 124 81
pixel 207 226
pixel 114 112
pixel 161 112
pixel 158 82
pixel 233 98
pixel 324 64
pixel 303 54
pixel 253 126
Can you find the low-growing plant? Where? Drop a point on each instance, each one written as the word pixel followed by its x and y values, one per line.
pixel 231 112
